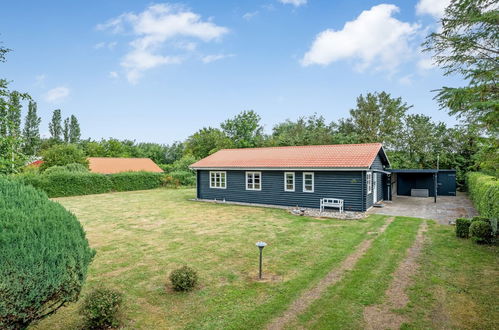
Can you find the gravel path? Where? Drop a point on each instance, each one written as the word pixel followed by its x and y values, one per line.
pixel 335 275
pixel 382 316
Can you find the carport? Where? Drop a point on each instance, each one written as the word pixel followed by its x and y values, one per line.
pixel 422 182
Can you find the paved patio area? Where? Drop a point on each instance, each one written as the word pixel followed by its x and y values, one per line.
pixel 447 207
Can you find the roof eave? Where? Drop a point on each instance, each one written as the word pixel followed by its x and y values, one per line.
pixel 246 168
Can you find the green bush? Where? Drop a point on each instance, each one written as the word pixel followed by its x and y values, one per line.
pixel 63 154
pixel 170 182
pixel 100 308
pixel 481 232
pixel 62 184
pixel 462 227
pixel 491 222
pixel 184 278
pixel 484 192
pixel 71 168
pixel 135 181
pixel 186 178
pixel 44 255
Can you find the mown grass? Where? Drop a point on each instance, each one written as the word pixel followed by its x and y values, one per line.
pixel 342 305
pixel 140 237
pixel 458 285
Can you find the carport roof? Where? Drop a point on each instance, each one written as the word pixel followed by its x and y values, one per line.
pixel 413 170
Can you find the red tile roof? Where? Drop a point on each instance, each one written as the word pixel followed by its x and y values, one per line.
pixel 322 156
pixel 108 165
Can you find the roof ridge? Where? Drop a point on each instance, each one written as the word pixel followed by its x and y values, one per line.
pixel 306 146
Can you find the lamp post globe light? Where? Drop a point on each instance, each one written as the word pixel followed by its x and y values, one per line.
pixel 260 246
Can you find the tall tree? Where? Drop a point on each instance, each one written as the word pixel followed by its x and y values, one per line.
pixel 244 129
pixel 378 118
pixel 467 44
pixel 206 141
pixel 66 130
pixel 305 131
pixel 11 155
pixel 55 126
pixel 14 114
pixel 31 132
pixel 74 130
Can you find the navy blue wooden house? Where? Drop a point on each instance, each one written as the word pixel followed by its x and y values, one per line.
pixel 296 176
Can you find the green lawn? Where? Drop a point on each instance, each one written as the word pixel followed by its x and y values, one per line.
pixel 141 236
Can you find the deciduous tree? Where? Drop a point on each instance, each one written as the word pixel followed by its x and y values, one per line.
pixel 467 44
pixel 244 129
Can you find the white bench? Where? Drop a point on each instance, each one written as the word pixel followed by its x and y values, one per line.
pixel 332 202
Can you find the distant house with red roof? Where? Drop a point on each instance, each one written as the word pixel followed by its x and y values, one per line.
pixel 109 165
pixel 296 176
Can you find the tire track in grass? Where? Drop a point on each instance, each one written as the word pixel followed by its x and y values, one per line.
pixel 335 275
pixel 381 316
pixel 341 306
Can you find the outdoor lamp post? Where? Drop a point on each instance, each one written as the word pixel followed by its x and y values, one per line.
pixel 261 245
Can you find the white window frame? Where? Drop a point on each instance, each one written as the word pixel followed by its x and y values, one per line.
pixel 369 182
pixel 253 173
pixel 286 181
pixel 313 182
pixel 213 185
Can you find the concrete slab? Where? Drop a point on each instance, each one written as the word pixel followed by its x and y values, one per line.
pixel 447 207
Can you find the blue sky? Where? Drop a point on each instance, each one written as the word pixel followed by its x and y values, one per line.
pixel 159 71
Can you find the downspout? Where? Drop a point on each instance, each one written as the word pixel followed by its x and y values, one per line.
pixel 364 207
pixel 435 185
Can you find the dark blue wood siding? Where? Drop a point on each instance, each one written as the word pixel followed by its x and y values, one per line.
pixel 377 165
pixel 346 185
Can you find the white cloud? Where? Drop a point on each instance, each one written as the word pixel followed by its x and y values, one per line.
pixel 426 63
pixel 406 80
pixel 113 74
pixel 374 38
pixel 435 8
pixel 249 15
pixel 295 3
pixel 108 45
pixel 57 95
pixel 40 80
pixel 153 28
pixel 216 57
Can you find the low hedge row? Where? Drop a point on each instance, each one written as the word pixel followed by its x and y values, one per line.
pixel 484 192
pixel 76 184
pixel 479 229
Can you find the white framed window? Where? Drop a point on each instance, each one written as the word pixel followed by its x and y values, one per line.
pixel 369 182
pixel 218 179
pixel 289 181
pixel 253 180
pixel 308 182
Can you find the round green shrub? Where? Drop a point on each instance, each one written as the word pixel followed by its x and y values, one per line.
pixel 44 255
pixel 462 227
pixel 70 168
pixel 481 232
pixel 184 278
pixel 63 154
pixel 100 308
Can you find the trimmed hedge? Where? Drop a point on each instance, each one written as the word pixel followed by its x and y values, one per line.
pixel 484 192
pixel 462 227
pixel 128 181
pixel 481 232
pixel 76 184
pixel 44 255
